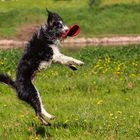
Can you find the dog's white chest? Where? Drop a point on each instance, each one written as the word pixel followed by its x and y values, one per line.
pixel 44 64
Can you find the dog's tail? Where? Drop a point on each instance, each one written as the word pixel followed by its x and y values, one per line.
pixel 7 80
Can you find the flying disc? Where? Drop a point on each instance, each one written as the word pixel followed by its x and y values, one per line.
pixel 72 31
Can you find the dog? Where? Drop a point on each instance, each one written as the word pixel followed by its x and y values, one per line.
pixel 41 51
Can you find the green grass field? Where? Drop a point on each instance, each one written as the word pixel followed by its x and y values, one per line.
pixel 105 19
pixel 100 101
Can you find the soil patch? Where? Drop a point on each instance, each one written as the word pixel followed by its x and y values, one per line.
pixel 80 42
pixel 25 32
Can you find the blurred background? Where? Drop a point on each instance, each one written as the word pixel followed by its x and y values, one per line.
pixel 97 18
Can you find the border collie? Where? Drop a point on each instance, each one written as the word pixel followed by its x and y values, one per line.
pixel 41 51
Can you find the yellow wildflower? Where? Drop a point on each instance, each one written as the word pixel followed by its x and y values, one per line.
pixel 111 114
pixel 99 102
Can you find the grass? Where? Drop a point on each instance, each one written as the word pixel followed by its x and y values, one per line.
pixel 99 101
pixel 106 19
pixel 111 2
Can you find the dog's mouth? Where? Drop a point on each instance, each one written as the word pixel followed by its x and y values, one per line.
pixel 72 31
pixel 64 32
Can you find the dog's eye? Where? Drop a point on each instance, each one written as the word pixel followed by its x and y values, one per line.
pixel 57 24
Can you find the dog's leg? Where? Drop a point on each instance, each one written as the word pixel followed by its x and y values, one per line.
pixel 28 93
pixel 66 60
pixel 41 118
pixel 43 111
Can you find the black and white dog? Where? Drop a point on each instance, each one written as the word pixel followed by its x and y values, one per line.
pixel 41 51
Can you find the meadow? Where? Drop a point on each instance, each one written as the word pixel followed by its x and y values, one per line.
pixel 100 101
pixel 108 18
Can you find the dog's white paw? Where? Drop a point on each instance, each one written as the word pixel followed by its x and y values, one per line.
pixel 80 63
pixel 51 117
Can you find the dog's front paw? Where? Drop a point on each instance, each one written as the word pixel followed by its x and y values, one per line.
pixel 80 63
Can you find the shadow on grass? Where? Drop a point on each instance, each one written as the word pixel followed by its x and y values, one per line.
pixel 40 130
pixel 60 125
pixel 45 131
pixel 48 131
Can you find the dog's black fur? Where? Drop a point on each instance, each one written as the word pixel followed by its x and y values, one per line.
pixel 38 50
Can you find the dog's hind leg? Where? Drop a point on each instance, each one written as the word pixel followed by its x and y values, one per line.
pixel 35 102
pixel 41 118
pixel 31 96
pixel 43 111
pixel 46 114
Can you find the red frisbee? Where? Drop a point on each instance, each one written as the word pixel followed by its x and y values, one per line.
pixel 72 31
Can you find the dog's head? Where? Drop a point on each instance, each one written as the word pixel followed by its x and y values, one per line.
pixel 56 24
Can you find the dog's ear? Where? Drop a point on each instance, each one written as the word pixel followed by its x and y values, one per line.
pixel 50 17
pixel 48 12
